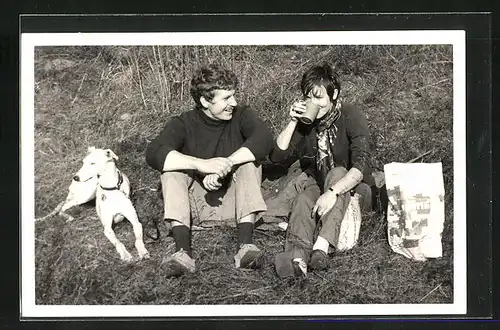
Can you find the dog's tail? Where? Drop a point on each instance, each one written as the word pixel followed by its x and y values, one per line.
pixel 54 212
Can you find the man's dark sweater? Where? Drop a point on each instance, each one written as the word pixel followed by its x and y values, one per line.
pixel 195 134
pixel 351 147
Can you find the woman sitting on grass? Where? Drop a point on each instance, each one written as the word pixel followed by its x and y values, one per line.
pixel 333 148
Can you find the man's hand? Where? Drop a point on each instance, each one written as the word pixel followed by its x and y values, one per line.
pixel 324 203
pixel 218 165
pixel 211 182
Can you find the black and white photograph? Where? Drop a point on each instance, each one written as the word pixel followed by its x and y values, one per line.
pixel 243 173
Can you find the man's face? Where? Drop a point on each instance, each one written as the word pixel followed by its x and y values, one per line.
pixel 221 106
pixel 319 96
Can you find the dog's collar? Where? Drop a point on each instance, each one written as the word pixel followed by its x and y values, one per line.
pixel 118 185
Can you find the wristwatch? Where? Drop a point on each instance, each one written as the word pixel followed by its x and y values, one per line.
pixel 331 189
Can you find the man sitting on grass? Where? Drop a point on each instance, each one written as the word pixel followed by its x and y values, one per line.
pixel 207 158
pixel 333 148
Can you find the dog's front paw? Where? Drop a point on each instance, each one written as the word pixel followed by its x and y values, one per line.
pixel 141 249
pixel 126 256
pixel 144 254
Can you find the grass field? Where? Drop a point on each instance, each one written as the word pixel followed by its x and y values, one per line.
pixel 120 98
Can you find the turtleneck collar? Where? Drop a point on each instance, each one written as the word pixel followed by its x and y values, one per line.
pixel 210 122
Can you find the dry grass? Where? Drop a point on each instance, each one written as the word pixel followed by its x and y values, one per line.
pixel 121 97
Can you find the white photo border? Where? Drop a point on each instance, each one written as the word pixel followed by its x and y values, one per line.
pixel 456 38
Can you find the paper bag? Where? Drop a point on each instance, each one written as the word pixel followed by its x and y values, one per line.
pixel 415 212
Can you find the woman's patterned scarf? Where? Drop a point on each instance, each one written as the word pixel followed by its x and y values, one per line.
pixel 326 133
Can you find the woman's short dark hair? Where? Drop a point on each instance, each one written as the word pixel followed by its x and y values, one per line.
pixel 320 75
pixel 209 78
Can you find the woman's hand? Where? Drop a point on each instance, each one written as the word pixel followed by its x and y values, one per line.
pixel 297 109
pixel 324 203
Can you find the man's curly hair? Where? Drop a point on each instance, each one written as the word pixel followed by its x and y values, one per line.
pixel 209 78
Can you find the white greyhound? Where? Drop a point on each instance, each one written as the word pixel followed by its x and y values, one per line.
pixel 113 202
pixel 81 190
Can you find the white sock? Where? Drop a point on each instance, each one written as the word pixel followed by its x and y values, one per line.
pixel 302 264
pixel 321 244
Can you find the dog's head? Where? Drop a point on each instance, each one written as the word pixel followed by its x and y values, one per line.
pixel 94 163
